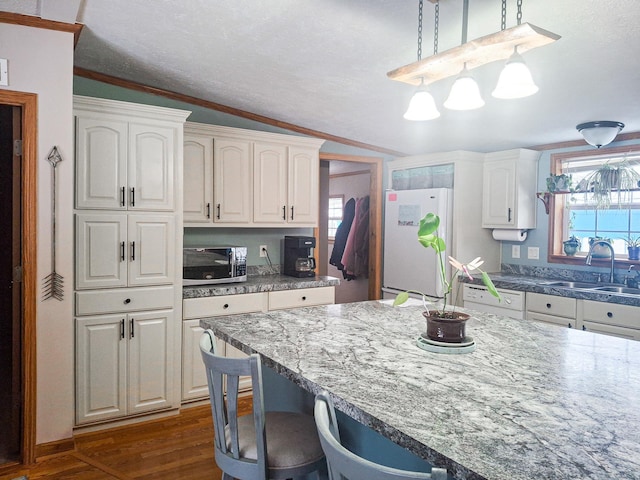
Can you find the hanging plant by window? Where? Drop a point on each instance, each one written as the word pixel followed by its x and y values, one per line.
pixel 610 179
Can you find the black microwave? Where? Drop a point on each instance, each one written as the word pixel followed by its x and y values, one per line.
pixel 210 265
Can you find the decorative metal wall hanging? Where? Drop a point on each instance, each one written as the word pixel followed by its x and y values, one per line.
pixel 53 284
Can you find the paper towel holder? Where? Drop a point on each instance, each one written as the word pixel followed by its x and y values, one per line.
pixel 509 235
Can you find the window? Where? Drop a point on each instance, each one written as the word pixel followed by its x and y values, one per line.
pixel 580 213
pixel 336 207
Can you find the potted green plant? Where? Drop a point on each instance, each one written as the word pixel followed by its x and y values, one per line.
pixel 445 324
pixel 571 246
pixel 607 179
pixel 633 247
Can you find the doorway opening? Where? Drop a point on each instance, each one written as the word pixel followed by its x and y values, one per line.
pixel 367 173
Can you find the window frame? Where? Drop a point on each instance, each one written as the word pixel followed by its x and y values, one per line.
pixel 557 212
pixel 329 217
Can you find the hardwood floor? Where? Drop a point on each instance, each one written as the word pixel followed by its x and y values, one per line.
pixel 175 448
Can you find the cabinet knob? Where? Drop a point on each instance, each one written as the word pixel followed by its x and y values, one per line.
pixel 127 301
pixel 609 314
pixel 584 327
pixel 304 298
pixel 569 325
pixel 226 305
pixel 548 305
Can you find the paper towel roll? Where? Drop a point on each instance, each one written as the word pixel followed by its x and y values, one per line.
pixel 509 235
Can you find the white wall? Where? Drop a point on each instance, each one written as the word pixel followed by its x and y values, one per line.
pixel 41 61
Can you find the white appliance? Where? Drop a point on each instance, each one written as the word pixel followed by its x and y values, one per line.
pixel 511 303
pixel 407 264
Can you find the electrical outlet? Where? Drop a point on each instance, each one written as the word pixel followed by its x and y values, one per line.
pixel 515 251
pixel 263 250
pixel 533 253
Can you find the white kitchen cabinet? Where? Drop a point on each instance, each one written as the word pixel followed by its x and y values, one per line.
pixel 611 319
pixel 128 258
pixel 509 189
pixel 259 179
pixel 551 309
pixel 118 250
pixel 124 161
pixel 123 364
pixel 198 179
pixel 194 376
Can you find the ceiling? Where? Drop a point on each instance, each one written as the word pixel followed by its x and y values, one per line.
pixel 322 64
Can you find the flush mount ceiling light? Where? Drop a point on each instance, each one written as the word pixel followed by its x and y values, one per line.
pixel 600 133
pixel 508 43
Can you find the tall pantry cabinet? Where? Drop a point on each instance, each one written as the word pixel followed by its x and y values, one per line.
pixel 128 254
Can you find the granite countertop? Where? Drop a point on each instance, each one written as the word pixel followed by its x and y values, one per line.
pixel 540 285
pixel 533 401
pixel 258 283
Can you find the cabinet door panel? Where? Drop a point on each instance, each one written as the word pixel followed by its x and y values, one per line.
pixel 499 194
pixel 150 167
pixel 100 368
pixel 99 250
pixel 303 189
pixel 198 179
pixel 151 249
pixel 150 365
pixel 232 181
pixel 194 377
pixel 101 159
pixel 270 183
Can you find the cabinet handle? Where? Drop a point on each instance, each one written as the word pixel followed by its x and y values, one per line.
pixel 132 325
pixel 609 314
pixel 133 196
pixel 127 301
pixel 584 327
pixel 122 199
pixel 133 251
pixel 208 210
pixel 122 252
pixel 122 328
pixel 569 325
pixel 548 305
pixel 218 211
pixel 292 213
pixel 509 215
pixel 284 212
pixel 226 305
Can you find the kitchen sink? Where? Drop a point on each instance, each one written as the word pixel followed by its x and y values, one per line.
pixel 570 284
pixel 627 290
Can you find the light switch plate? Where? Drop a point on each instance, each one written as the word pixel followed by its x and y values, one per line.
pixel 515 251
pixel 533 253
pixel 4 72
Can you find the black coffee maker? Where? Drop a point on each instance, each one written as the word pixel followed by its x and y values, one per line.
pixel 298 258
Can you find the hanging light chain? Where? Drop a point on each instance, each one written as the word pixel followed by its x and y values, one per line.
pixel 435 28
pixel 420 30
pixel 503 23
pixel 519 15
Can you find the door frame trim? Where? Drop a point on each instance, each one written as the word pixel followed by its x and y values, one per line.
pixel 29 104
pixel 376 171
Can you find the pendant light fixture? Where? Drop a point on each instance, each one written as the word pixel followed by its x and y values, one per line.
pixel 600 133
pixel 465 93
pixel 515 80
pixel 422 106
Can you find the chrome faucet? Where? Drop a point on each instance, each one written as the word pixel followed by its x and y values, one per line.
pixel 590 254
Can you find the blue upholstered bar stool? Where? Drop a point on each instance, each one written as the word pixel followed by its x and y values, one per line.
pixel 261 445
pixel 343 464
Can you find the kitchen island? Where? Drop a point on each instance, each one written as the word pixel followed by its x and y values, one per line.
pixel 533 401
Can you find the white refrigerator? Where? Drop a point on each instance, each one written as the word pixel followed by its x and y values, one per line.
pixel 407 264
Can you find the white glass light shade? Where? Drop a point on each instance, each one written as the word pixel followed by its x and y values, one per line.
pixel 422 107
pixel 464 94
pixel 515 80
pixel 600 133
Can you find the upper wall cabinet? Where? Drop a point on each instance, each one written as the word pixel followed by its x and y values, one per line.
pixel 246 178
pixel 124 157
pixel 509 189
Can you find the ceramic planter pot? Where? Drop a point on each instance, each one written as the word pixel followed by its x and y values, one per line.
pixel 634 253
pixel 570 247
pixel 450 330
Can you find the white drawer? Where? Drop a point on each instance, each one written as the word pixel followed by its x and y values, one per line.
pixel 224 305
pixel 302 297
pixel 542 317
pixel 612 314
pixel 124 300
pixel 551 305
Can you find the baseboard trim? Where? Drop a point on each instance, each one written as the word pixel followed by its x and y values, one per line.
pixel 54 448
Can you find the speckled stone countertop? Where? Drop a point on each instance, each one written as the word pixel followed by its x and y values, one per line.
pixel 541 285
pixel 533 401
pixel 258 283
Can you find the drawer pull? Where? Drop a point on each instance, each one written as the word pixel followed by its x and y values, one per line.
pixel 609 314
pixel 226 305
pixel 548 305
pixel 127 301
pixel 304 298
